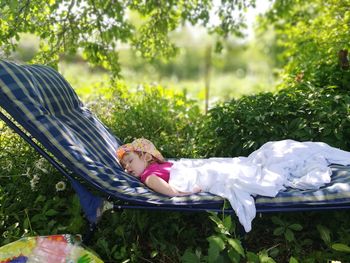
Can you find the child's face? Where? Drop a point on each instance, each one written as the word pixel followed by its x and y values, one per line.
pixel 134 164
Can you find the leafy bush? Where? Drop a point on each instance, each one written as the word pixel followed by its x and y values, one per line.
pixel 166 118
pixel 303 113
pixel 155 236
pixel 309 36
pixel 34 199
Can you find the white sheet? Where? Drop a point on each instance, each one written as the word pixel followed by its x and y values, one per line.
pixel 265 172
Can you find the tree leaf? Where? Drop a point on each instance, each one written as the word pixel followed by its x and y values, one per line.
pixel 341 247
pixel 296 227
pixel 233 255
pixel 38 217
pixel 26 223
pixel 324 233
pixel 227 222
pixel 216 244
pixel 236 244
pixel 51 212
pixel 277 221
pixel 189 257
pixel 252 257
pixel 264 257
pixel 289 235
pixel 293 260
pixel 278 231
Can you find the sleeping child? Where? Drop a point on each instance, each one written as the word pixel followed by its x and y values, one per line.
pixel 268 170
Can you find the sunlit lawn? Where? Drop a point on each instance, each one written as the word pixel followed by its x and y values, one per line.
pixel 91 83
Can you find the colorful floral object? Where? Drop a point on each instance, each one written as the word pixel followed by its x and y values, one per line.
pixel 47 249
pixel 139 145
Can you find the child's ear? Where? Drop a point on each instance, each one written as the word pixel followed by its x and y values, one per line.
pixel 148 157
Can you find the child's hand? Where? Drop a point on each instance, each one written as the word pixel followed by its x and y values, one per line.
pixel 196 189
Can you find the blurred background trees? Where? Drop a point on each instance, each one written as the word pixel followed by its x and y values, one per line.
pixel 163 42
pixel 312 38
pixel 167 43
pixel 99 28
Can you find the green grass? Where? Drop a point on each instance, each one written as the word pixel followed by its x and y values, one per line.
pixel 91 83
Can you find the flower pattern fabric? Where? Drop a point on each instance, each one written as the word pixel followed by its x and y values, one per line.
pixel 50 249
pixel 140 145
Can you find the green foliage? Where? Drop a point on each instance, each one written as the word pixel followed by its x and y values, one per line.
pixel 98 28
pixel 222 241
pixel 288 231
pixel 285 229
pixel 29 202
pixel 223 246
pixel 311 35
pixel 149 235
pixel 341 247
pixel 166 118
pixel 226 246
pixel 304 112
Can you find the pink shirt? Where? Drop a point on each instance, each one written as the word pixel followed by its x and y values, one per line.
pixel 161 170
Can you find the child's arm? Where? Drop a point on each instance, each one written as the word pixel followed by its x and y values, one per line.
pixel 157 184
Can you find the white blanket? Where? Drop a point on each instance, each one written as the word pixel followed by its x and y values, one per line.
pixel 265 172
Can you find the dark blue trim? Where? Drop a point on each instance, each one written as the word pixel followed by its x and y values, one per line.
pixel 230 211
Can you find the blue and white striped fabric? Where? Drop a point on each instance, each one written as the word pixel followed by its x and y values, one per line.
pixel 336 192
pixel 44 103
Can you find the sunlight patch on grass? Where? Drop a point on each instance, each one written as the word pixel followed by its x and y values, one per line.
pixel 92 83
